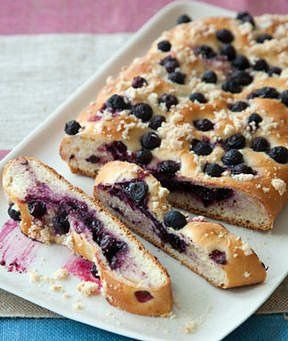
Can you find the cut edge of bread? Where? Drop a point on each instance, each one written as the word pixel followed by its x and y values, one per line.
pixel 118 290
pixel 245 269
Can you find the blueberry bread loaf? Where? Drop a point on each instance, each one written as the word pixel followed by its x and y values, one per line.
pixel 207 248
pixel 206 112
pixel 51 210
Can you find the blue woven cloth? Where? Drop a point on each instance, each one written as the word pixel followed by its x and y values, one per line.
pixel 264 327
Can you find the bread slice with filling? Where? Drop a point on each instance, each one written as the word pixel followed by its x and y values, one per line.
pixel 209 249
pixel 52 210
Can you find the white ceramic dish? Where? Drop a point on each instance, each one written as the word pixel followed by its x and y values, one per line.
pixel 217 311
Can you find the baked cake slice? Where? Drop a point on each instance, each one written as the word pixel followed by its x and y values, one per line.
pixel 205 111
pixel 209 249
pixel 50 209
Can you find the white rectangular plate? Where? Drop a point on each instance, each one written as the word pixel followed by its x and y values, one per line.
pixel 217 311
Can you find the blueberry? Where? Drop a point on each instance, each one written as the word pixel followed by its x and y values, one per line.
pixel 72 127
pixel 266 92
pixel 143 111
pixel 284 97
pixel 279 154
pixel 170 63
pixel 177 243
pixel 150 140
pixel 213 169
pixel 37 208
pixel 183 19
pixel 241 168
pixel 239 106
pixel 203 124
pixel 97 233
pixel 263 37
pixel 143 156
pixel 260 65
pixel 260 144
pixel 177 77
pixel 117 103
pixel 93 159
pixel 241 62
pixel 228 51
pixel 118 150
pixel 241 77
pixel 93 224
pixel 168 167
pixel 225 36
pixel 232 157
pixel 231 86
pixel 94 271
pixel 137 191
pixel 60 223
pixel 246 17
pixel 218 257
pixel 164 46
pixel 156 121
pixel 236 141
pixel 175 219
pixel 255 118
pixel 198 97
pixel 201 147
pixel 110 248
pixel 143 296
pixel 138 82
pixel 274 70
pixel 169 100
pixel 13 214
pixel 206 51
pixel 209 77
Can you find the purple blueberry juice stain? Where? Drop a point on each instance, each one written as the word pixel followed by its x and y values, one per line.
pixel 208 196
pixel 83 269
pixel 118 151
pixel 93 159
pixel 143 296
pixel 17 251
pixel 83 219
pixel 218 257
pixel 118 190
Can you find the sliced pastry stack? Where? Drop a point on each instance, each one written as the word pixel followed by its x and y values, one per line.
pixel 209 249
pixel 50 209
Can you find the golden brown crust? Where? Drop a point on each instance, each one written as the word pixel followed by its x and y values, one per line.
pixel 186 205
pixel 235 277
pixel 101 127
pixel 243 267
pixel 117 291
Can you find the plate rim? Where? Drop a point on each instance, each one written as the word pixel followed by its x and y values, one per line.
pixel 137 36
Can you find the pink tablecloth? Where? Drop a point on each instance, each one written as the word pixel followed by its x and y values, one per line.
pixel 101 16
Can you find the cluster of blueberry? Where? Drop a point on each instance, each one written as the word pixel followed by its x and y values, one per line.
pixel 137 192
pixel 38 209
pixel 112 248
pixel 236 79
pixel 239 76
pixel 151 140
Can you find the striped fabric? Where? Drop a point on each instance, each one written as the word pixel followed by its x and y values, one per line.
pixel 101 16
pixel 34 17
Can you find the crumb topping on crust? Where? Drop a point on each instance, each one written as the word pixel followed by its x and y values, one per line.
pixel 215 93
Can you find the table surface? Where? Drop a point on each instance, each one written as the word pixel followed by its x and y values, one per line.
pixel 65 16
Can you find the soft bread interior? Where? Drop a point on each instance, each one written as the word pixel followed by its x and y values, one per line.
pixel 20 179
pixel 205 247
pixel 76 150
pixel 195 257
pixel 241 209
